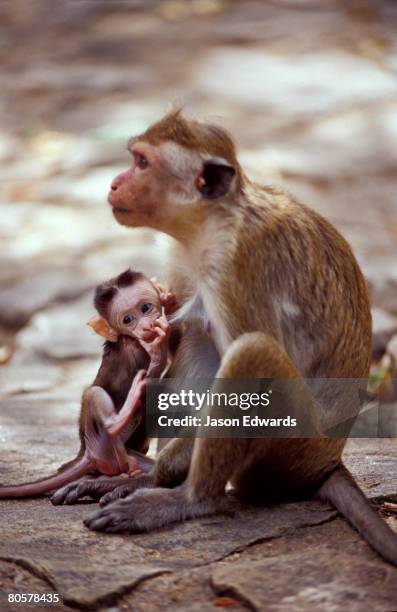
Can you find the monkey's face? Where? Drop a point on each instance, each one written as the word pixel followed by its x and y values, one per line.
pixel 167 187
pixel 134 310
pixel 135 194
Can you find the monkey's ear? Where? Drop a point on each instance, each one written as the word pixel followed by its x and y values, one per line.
pixel 215 179
pixel 102 327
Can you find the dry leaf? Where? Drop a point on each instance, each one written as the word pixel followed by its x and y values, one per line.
pixel 390 507
pixel 226 602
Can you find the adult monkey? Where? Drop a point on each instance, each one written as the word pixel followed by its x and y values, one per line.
pixel 284 298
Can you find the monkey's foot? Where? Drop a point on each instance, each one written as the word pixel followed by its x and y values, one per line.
pixel 149 509
pixel 93 488
pixel 127 488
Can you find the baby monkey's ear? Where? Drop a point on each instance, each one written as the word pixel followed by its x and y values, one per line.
pixel 102 327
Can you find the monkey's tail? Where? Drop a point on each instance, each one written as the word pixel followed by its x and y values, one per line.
pixel 30 489
pixel 342 492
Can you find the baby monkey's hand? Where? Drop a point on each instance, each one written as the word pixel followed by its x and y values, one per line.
pixel 168 299
pixel 169 302
pixel 157 349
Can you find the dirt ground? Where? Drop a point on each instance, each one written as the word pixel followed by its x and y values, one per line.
pixel 308 89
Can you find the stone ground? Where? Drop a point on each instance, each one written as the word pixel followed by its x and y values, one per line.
pixel 309 91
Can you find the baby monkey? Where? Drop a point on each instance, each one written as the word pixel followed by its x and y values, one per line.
pixel 112 433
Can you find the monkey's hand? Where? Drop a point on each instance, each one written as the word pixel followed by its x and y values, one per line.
pixel 103 488
pixel 94 488
pixel 167 298
pixel 128 487
pixel 149 509
pixel 158 348
pixel 169 303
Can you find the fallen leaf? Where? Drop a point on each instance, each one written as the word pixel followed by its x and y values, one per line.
pixel 390 507
pixel 226 602
pixel 5 354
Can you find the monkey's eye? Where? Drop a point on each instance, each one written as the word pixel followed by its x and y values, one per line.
pixel 128 319
pixel 146 308
pixel 141 161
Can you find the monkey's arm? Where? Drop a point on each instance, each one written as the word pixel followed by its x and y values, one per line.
pixel 108 452
pixel 111 456
pixel 157 349
pixel 124 422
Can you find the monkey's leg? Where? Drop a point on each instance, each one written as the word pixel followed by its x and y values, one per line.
pixel 148 509
pixel 170 470
pixel 101 487
pixel 173 462
pixel 214 461
pixel 108 453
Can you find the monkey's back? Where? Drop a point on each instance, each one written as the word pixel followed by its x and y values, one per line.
pixel 121 361
pixel 316 300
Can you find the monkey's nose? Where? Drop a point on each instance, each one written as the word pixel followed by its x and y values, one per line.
pixel 118 180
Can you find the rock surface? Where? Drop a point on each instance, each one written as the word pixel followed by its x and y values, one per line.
pixel 93 570
pixel 309 92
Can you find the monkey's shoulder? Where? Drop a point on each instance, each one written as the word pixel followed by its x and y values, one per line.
pixel 125 348
pixel 289 233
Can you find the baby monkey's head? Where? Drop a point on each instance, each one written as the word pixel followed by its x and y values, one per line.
pixel 128 305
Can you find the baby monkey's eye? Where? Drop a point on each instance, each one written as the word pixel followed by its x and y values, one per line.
pixel 128 319
pixel 146 308
pixel 141 161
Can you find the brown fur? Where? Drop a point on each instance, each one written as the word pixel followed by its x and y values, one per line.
pixel 194 135
pixel 121 361
pixel 285 298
